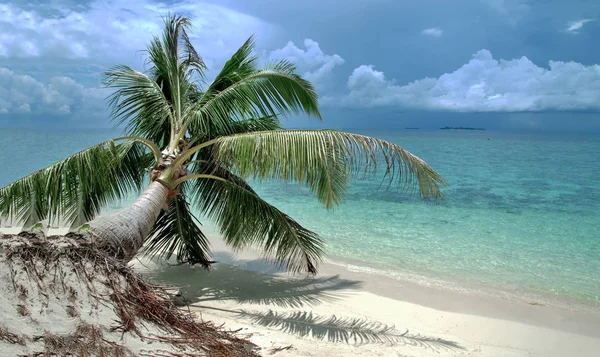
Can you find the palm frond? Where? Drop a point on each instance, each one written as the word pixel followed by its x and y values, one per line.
pixel 140 102
pixel 174 62
pixel 177 231
pixel 274 90
pixel 75 189
pixel 190 60
pixel 244 219
pixel 251 125
pixel 323 159
pixel 241 65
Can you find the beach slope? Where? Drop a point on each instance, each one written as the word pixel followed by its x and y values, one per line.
pixel 345 313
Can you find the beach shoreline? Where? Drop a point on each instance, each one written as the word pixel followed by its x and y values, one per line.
pixel 346 312
pixel 459 286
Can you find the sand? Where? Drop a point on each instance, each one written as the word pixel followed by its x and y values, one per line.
pixel 59 297
pixel 346 313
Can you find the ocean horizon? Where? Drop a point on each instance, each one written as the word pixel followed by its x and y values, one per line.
pixel 520 217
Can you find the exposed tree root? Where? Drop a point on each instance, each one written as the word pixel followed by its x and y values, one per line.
pixel 87 280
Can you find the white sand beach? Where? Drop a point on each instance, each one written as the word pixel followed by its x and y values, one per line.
pixel 344 313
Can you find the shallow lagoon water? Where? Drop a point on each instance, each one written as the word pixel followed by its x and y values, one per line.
pixel 521 214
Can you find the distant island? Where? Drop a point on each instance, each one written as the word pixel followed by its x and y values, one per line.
pixel 411 128
pixel 459 128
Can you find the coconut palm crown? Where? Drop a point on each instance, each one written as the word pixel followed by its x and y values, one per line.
pixel 198 144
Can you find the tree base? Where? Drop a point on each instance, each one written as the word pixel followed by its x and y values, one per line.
pixel 62 295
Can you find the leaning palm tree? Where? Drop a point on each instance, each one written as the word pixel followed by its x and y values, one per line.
pixel 200 145
pixel 188 147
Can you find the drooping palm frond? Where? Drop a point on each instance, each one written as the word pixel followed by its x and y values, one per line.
pixel 140 103
pixel 250 125
pixel 75 189
pixel 322 159
pixel 244 219
pixel 177 231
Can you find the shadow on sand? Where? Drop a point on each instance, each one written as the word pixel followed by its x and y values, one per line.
pixel 349 330
pixel 249 282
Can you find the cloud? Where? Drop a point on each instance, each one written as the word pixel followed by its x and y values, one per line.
pixel 512 10
pixel 112 31
pixel 54 53
pixel 434 32
pixel 311 62
pixel 574 26
pixel 484 84
pixel 23 94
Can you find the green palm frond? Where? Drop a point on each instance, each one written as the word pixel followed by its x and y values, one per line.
pixel 175 65
pixel 323 159
pixel 174 62
pixel 75 189
pixel 241 91
pixel 244 219
pixel 241 65
pixel 251 125
pixel 181 46
pixel 177 231
pixel 276 89
pixel 243 126
pixel 138 101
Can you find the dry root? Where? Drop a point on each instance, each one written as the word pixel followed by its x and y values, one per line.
pixel 136 303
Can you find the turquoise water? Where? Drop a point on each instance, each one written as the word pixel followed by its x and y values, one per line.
pixel 522 213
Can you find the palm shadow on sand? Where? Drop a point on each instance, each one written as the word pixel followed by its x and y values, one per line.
pixel 251 282
pixel 350 330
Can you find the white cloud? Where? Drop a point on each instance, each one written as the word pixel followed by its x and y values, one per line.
pixel 48 41
pixel 484 84
pixel 113 31
pixel 513 11
pixel 60 96
pixel 574 26
pixel 434 32
pixel 311 62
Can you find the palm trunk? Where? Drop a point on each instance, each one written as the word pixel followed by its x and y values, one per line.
pixel 124 232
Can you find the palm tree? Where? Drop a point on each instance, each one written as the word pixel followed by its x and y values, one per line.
pixel 197 145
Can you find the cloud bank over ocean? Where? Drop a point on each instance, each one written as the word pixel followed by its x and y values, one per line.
pixel 484 84
pixel 482 56
pixel 23 94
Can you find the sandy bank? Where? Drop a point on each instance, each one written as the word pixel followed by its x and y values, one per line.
pixel 346 313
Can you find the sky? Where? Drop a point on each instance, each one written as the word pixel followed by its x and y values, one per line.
pixel 497 64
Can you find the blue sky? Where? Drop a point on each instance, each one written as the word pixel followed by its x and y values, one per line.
pixel 499 64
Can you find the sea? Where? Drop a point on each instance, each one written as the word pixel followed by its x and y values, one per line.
pixel 520 216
